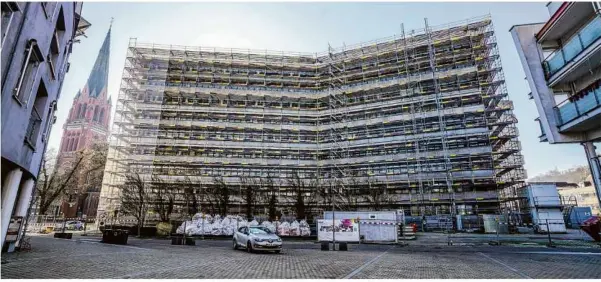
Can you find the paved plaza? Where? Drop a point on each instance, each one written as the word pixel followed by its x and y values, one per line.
pixel 85 257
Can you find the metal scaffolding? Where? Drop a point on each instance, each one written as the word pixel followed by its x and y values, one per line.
pixel 423 116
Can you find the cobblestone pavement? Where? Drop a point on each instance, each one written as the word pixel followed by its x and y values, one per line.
pixel 87 258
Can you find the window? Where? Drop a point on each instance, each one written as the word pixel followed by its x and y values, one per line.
pixel 82 114
pixel 53 53
pixel 55 48
pixel 48 8
pixel 31 62
pixel 35 119
pixel 65 145
pixel 73 144
pixel 50 119
pixel 95 118
pixel 78 111
pixel 8 11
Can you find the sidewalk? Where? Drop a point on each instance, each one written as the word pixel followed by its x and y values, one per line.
pixel 572 238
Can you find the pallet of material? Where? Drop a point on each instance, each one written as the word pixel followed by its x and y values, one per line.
pixel 408 233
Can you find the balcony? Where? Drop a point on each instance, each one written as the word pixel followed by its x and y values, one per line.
pixel 574 47
pixel 568 111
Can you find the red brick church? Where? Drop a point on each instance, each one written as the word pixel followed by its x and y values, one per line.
pixel 88 122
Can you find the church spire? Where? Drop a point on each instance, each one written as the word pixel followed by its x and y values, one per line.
pixel 98 80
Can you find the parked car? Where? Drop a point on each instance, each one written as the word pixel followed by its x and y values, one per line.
pixel 257 238
pixel 70 225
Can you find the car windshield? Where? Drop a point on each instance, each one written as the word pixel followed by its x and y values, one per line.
pixel 259 230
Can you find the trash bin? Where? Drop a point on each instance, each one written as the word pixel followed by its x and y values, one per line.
pixel 115 236
pixel 325 246
pixel 63 235
pixel 179 240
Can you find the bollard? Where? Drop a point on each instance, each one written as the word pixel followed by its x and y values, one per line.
pixel 325 246
pixel 550 244
pixel 498 226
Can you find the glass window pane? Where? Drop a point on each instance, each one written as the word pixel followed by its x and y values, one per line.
pixel 587 103
pixel 591 32
pixel 555 62
pixel 572 48
pixel 568 112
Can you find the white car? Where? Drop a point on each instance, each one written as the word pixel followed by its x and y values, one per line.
pixel 257 238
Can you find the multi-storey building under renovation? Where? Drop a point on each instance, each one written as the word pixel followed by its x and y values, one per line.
pixel 419 122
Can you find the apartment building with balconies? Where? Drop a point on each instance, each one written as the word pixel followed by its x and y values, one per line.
pixel 562 61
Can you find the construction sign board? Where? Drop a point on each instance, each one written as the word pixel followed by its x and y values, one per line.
pixel 344 230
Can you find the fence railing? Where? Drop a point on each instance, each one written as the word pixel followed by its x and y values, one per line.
pixel 39 224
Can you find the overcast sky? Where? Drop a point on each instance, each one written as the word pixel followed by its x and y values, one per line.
pixel 304 27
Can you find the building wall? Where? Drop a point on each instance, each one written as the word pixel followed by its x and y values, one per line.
pixel 37 42
pixel 585 197
pixel 15 115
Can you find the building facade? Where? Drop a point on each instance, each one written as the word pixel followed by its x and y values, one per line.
pixel 419 122
pixel 581 195
pixel 37 39
pixel 562 62
pixel 87 123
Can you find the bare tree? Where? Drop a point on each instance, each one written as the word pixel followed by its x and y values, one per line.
pixel 249 195
pixel 90 173
pixel 162 198
pixel 377 195
pixel 134 199
pixel 270 196
pixel 54 182
pixel 322 195
pixel 221 192
pixel 207 195
pixel 347 196
pixel 190 196
pixel 304 192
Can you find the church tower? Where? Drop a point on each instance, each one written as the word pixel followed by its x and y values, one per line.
pixel 87 123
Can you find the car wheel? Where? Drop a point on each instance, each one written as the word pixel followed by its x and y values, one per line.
pixel 235 244
pixel 249 247
pixel 278 251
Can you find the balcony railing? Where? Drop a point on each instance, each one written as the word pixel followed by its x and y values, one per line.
pixel 583 39
pixel 567 111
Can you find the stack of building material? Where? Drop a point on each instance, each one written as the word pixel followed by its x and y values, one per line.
pixel 407 232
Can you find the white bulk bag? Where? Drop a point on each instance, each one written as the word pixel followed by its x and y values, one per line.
pixel 294 229
pixel 284 229
pixel 268 225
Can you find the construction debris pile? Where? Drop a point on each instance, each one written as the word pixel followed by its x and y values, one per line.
pixel 209 225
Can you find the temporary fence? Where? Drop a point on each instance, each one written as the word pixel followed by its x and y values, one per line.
pixel 46 224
